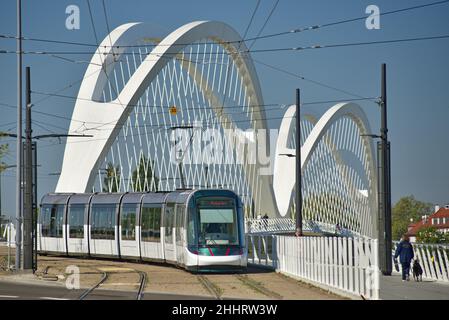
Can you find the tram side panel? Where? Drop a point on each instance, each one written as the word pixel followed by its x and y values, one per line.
pixel 168 231
pixel 151 232
pixel 129 230
pixel 103 236
pixel 51 228
pixel 77 228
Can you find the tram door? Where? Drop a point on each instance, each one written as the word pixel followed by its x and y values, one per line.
pixel 179 233
pixel 169 220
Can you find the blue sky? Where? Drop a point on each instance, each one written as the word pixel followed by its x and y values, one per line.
pixel 418 72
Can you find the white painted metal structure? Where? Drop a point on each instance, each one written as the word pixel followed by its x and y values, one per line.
pixel 433 259
pixel 338 169
pixel 138 74
pixel 195 68
pixel 288 225
pixel 339 264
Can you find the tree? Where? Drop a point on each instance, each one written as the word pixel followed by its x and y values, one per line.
pixel 3 152
pixel 143 178
pixel 405 210
pixel 431 235
pixel 111 182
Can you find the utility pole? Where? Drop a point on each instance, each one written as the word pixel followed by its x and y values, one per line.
pixel 28 183
pixel 19 140
pixel 383 147
pixel 298 168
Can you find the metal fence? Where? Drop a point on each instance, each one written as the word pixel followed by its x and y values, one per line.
pixel 433 259
pixel 278 225
pixel 8 234
pixel 340 264
pixel 288 225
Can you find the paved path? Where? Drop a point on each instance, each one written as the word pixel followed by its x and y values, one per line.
pixel 392 288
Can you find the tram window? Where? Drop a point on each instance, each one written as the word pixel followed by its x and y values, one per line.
pixel 103 221
pixel 180 209
pixel 218 226
pixel 76 220
pixel 52 219
pixel 128 222
pixel 191 229
pixel 151 224
pixel 168 223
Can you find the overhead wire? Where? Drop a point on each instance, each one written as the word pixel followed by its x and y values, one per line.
pixel 291 31
pixel 263 26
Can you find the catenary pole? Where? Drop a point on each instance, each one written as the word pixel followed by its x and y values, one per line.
pixel 298 167
pixel 28 183
pixel 18 264
pixel 385 208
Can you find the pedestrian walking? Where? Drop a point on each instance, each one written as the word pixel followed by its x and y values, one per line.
pixel 405 253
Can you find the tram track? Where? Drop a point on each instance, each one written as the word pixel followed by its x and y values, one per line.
pixel 257 286
pixel 95 286
pixel 106 275
pixel 212 288
pixel 143 282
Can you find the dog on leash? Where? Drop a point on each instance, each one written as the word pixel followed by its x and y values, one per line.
pixel 417 270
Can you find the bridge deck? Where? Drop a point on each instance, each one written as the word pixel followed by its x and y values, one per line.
pixel 392 288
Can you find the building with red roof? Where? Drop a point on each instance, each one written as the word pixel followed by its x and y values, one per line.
pixel 439 220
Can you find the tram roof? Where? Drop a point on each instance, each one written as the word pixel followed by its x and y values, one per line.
pixel 158 197
pixel 80 198
pixel 55 198
pixel 106 198
pixel 132 198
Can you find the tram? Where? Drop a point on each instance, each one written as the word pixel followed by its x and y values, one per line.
pixel 199 230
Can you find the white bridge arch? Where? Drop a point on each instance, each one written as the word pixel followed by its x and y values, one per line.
pixel 202 68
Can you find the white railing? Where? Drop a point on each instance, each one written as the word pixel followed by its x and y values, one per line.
pixel 339 264
pixel 433 259
pixel 9 235
pixel 288 225
pixel 272 225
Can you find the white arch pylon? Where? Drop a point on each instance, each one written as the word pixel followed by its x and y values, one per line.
pixel 82 160
pixel 285 167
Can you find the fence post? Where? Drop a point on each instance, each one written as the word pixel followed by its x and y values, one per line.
pixel 442 263
pixel 308 258
pixel 302 256
pixel 326 259
pixel 425 263
pixel 356 265
pixel 264 247
pixel 331 260
pixel 436 255
pixel 318 258
pixel 376 269
pixel 340 257
pixel 254 248
pixel 351 265
pixel 431 263
pixel 446 261
pixel 314 264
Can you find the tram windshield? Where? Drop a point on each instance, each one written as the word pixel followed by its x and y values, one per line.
pixel 218 226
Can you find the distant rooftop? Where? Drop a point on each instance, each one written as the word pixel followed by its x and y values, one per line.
pixel 439 220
